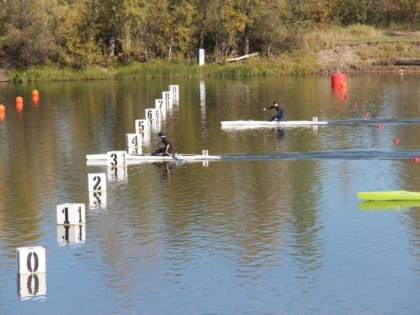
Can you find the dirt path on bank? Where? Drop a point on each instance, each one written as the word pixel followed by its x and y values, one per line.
pixel 340 58
pixel 369 57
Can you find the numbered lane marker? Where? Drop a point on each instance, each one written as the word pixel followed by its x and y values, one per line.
pixel 161 106
pixel 31 259
pixel 133 141
pixel 71 213
pixel 116 158
pixel 167 99
pixel 152 114
pixel 142 126
pixel 97 181
pixel 174 88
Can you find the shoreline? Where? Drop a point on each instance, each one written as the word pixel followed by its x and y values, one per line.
pixel 350 69
pixel 339 59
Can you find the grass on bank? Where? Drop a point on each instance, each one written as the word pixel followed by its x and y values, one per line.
pixel 370 43
pixel 134 70
pixel 284 65
pixel 56 73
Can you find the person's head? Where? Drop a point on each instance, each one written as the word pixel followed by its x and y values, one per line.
pixel 161 134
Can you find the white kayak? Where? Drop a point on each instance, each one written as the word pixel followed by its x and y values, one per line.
pixel 248 124
pixel 121 158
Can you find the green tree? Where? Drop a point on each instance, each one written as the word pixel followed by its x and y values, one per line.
pixel 201 11
pixel 130 25
pixel 403 11
pixel 86 32
pixel 269 28
pixel 115 23
pixel 164 29
pixel 28 38
pixel 154 25
pixel 233 20
pixel 348 12
pixel 181 38
pixel 77 33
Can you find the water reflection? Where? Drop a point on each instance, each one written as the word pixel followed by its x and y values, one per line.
pixel 281 132
pixel 71 234
pixel 165 168
pixel 278 222
pixel 32 286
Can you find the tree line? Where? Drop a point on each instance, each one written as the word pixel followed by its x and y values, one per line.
pixel 78 33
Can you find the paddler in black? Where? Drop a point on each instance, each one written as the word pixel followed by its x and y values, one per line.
pixel 167 149
pixel 279 116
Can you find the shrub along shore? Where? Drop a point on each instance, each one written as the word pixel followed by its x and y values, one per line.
pixel 353 49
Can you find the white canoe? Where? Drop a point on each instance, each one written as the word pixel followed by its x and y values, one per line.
pixel 248 124
pixel 130 159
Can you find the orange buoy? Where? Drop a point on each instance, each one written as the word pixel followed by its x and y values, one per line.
pixel 35 97
pixel 35 100
pixel 397 141
pixel 2 112
pixel 19 107
pixel 19 103
pixel 19 100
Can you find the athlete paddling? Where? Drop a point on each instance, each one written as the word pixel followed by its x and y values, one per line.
pixel 280 115
pixel 167 149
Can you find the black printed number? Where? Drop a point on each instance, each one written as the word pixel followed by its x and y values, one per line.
pixel 32 262
pixel 97 183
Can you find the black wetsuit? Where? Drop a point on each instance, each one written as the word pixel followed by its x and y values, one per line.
pixel 163 150
pixel 279 115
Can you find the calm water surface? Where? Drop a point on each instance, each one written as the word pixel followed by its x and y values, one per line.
pixel 275 229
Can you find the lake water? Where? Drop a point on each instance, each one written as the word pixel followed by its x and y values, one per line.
pixel 275 228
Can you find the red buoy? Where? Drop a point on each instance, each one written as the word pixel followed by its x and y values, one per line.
pixel 338 80
pixel 366 114
pixel 397 141
pixel 416 159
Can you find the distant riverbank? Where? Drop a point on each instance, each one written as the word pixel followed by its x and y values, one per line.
pixel 354 49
